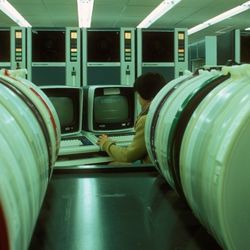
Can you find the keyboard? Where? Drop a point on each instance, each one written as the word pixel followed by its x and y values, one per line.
pixel 81 141
pixel 71 143
pixel 87 143
pixel 77 145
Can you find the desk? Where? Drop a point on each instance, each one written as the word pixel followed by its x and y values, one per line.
pixel 82 159
pixel 90 153
pixel 116 208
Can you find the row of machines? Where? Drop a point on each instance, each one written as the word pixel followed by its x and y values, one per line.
pixel 75 57
pixel 197 135
pixel 232 46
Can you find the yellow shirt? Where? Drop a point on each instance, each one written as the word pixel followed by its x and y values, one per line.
pixel 134 151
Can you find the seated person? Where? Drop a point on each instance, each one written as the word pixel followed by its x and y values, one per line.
pixel 146 86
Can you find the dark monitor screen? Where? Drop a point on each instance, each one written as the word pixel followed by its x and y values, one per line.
pixel 193 52
pixel 109 108
pixel 64 106
pixel 225 48
pixel 245 48
pixel 67 102
pixel 48 46
pixel 201 49
pixel 157 46
pixel 4 46
pixel 103 46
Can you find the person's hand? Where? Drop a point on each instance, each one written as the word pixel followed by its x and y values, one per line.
pixel 101 140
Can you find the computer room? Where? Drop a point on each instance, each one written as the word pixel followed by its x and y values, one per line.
pixel 124 125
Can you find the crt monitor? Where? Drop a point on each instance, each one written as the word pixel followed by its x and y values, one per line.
pixel 67 102
pixel 109 109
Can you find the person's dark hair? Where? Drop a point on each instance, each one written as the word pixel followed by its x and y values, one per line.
pixel 149 84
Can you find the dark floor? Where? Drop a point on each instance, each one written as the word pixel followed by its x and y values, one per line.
pixel 116 210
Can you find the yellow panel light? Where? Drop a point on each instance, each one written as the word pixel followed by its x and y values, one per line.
pixel 127 35
pixel 18 34
pixel 181 36
pixel 73 35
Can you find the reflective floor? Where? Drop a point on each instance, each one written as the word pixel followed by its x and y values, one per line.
pixel 116 210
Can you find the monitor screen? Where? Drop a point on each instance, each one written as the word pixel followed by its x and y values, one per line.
pixel 158 46
pixel 225 48
pixel 48 46
pixel 109 109
pixel 103 46
pixel 4 46
pixel 64 106
pixel 67 103
pixel 245 47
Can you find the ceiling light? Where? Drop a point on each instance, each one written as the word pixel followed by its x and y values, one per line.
pixel 85 9
pixel 160 10
pixel 232 12
pixel 247 28
pixel 10 11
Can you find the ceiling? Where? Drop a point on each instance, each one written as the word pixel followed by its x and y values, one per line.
pixel 129 13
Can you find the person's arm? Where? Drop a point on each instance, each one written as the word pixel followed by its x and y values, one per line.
pixel 134 151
